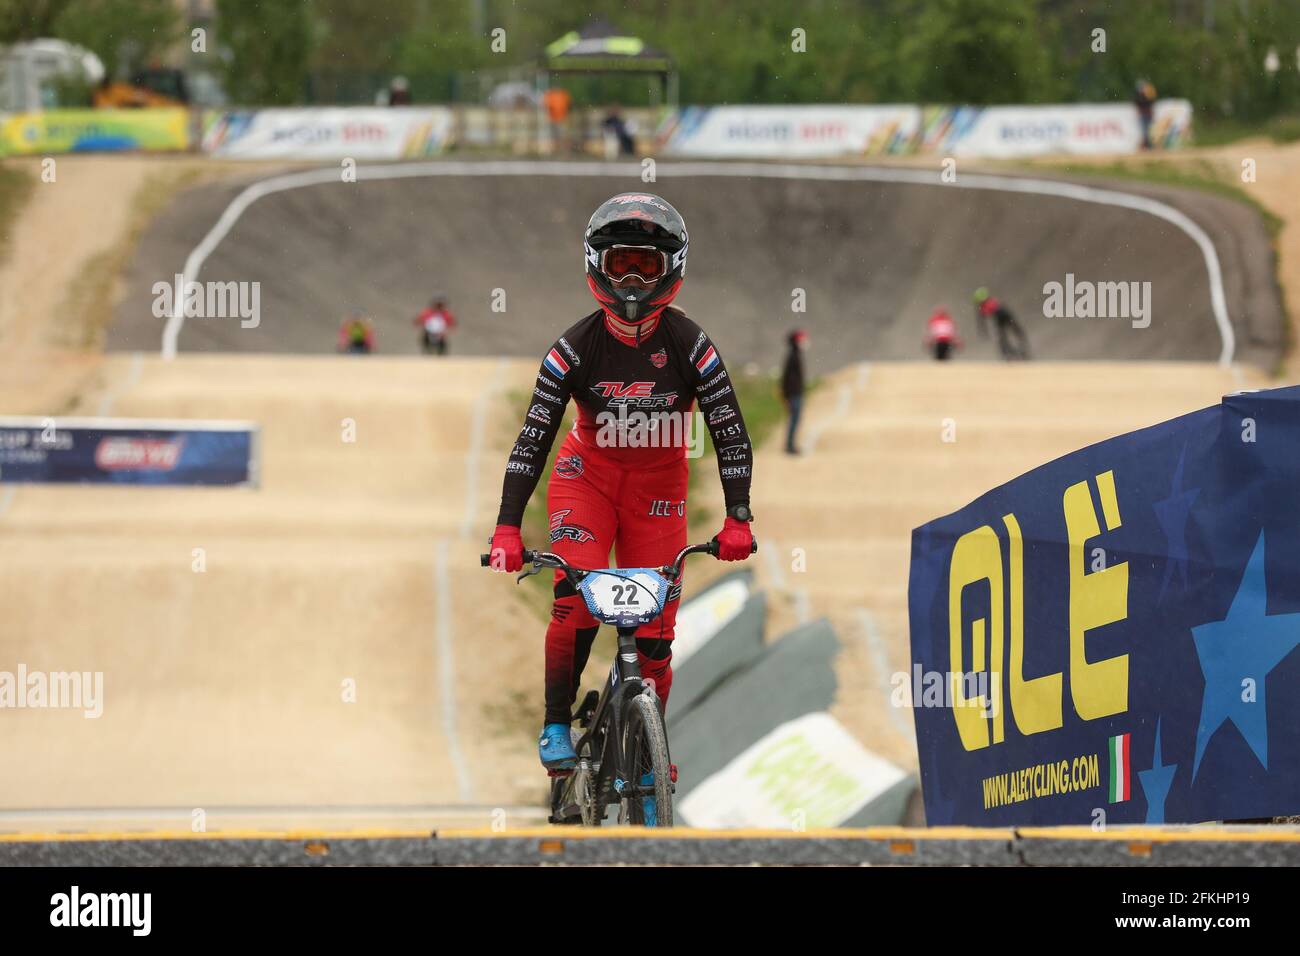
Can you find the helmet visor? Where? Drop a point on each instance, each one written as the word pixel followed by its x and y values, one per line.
pixel 642 262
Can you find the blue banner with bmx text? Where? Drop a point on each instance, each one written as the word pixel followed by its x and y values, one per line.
pixel 127 452
pixel 1112 637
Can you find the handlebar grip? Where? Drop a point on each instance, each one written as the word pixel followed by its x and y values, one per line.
pixel 485 560
pixel 714 546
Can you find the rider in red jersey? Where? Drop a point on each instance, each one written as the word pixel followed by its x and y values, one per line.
pixel 635 368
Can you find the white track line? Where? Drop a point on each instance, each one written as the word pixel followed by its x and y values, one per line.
pixel 1017 184
pixel 132 377
pixel 447 670
pixel 867 627
pixel 7 498
pixel 475 453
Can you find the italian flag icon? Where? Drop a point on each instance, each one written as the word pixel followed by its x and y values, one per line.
pixel 1119 768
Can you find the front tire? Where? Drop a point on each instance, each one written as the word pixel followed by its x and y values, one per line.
pixel 645 750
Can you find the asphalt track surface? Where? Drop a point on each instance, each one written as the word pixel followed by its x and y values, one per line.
pixel 871 258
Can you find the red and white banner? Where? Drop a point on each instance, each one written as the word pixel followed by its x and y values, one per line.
pixel 361 133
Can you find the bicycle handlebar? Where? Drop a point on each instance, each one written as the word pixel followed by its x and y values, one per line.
pixel 549 559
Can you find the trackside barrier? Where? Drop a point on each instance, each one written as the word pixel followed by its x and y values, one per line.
pixel 128 451
pixel 719 631
pixel 878 846
pixel 762 750
pixel 1114 637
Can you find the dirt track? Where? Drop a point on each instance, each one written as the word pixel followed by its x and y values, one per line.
pixel 224 687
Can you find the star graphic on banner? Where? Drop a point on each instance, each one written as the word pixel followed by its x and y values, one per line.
pixel 1155 783
pixel 1248 643
pixel 1174 513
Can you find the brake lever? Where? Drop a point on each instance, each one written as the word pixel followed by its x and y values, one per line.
pixel 535 569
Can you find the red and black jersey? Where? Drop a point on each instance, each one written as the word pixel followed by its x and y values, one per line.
pixel 635 404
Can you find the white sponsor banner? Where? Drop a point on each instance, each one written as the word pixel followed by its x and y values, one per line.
pixel 791 131
pixel 361 133
pixel 809 772
pixel 702 617
pixel 1007 132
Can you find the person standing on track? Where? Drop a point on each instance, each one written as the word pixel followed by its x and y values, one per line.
pixel 941 334
pixel 1012 341
pixel 616 483
pixel 792 385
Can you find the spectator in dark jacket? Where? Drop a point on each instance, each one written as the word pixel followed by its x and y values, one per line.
pixel 792 385
pixel 1144 98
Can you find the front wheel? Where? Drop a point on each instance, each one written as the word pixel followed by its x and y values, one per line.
pixel 646 763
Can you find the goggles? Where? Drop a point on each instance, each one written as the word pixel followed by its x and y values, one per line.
pixel 643 262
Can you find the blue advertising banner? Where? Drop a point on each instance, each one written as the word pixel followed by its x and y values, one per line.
pixel 1112 636
pixel 127 451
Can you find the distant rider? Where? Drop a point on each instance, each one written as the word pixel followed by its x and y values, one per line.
pixel 941 334
pixel 1012 341
pixel 356 334
pixel 435 323
pixel 633 354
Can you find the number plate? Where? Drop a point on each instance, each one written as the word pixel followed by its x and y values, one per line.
pixel 625 597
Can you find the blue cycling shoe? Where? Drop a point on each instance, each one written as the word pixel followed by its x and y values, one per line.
pixel 649 809
pixel 555 747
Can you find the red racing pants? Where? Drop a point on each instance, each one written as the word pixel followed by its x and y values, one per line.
pixel 596 505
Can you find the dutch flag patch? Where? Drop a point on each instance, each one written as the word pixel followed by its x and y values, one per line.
pixel 707 361
pixel 555 362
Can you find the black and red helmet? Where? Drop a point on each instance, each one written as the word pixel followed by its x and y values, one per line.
pixel 635 249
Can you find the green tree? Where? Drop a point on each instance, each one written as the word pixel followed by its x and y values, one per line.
pixel 269 45
pixel 122 33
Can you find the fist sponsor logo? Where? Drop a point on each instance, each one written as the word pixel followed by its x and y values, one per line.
pixel 138 454
pixel 533 432
pixel 731 431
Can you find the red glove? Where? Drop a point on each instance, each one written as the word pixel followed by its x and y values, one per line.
pixel 507 550
pixel 735 540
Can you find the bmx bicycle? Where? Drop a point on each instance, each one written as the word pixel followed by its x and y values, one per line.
pixel 622 747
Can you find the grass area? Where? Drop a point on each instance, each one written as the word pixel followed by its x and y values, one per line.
pixel 764 412
pixel 90 298
pixel 1200 174
pixel 1280 129
pixel 16 185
